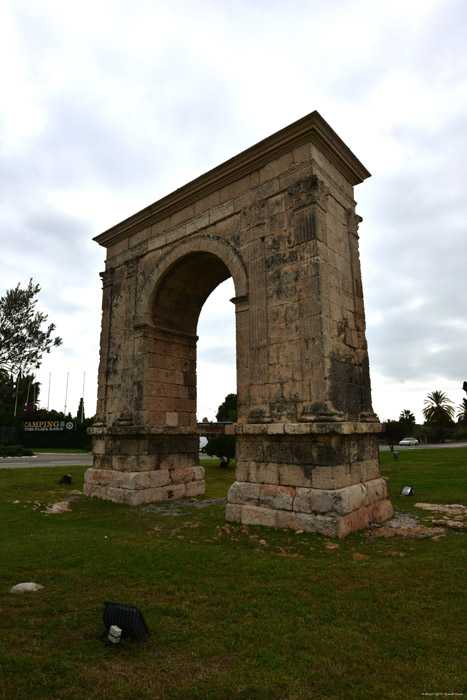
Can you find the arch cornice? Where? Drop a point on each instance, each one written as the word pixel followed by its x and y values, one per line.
pixel 312 128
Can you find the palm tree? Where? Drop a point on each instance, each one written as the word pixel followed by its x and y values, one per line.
pixel 407 416
pixel 462 409
pixel 439 411
pixel 462 412
pixel 407 421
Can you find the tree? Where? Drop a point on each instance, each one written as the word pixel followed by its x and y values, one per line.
pixel 222 446
pixel 227 411
pixel 407 422
pixel 80 414
pixel 17 395
pixel 23 340
pixel 439 411
pixel 462 408
pixel 392 433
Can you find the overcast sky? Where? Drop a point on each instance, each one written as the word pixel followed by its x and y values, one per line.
pixel 106 106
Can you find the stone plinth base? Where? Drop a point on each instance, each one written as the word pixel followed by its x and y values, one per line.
pixel 135 465
pixel 317 477
pixel 135 488
pixel 335 513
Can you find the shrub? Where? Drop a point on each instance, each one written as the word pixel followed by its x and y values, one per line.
pixel 15 451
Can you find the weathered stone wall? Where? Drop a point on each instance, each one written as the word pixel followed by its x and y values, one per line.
pixel 280 219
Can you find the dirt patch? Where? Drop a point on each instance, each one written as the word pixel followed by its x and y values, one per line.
pixel 408 525
pixel 404 525
pixel 180 507
pixel 451 509
pixel 59 507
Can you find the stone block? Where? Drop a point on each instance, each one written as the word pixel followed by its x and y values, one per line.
pixel 339 501
pixel 233 512
pixel 100 476
pixel 324 525
pixel 147 480
pixel 278 497
pixel 182 475
pixel 171 418
pixel 177 461
pixel 102 462
pixel 366 470
pixel 125 463
pixel 92 490
pixel 296 429
pixel 198 473
pixel 197 223
pixel 357 520
pixel 287 519
pixel 221 212
pixel 377 490
pixel 295 475
pixel 98 447
pixel 253 515
pixel 174 491
pixel 244 493
pixel 332 477
pixel 195 488
pixel 276 428
pixel 242 471
pixel 264 473
pixel 119 495
pixel 147 463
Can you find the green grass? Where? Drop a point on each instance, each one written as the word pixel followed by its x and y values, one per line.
pixel 60 450
pixel 234 612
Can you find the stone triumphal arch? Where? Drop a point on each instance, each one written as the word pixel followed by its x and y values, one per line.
pixel 280 220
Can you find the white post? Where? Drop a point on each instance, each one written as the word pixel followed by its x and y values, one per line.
pixel 66 391
pixel 82 405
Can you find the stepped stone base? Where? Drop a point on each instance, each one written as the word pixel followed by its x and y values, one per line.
pixel 318 477
pixel 135 488
pixel 136 465
pixel 331 512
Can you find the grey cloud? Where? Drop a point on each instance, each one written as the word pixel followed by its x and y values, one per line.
pixel 220 355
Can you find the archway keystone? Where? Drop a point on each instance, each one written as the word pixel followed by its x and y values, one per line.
pixel 280 220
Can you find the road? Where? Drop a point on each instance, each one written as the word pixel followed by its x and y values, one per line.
pixel 47 459
pixel 63 460
pixel 402 448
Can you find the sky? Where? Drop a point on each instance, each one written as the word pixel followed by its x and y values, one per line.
pixel 107 106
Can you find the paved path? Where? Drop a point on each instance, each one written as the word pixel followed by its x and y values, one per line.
pixel 402 448
pixel 50 459
pixel 47 459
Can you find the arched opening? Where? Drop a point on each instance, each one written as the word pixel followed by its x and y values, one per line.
pixel 169 387
pixel 184 288
pixel 216 366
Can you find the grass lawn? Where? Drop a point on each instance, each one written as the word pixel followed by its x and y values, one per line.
pixel 60 450
pixel 234 611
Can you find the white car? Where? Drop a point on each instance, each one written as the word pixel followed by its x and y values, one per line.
pixel 203 441
pixel 409 441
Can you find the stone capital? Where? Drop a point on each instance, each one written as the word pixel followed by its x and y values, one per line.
pixel 309 191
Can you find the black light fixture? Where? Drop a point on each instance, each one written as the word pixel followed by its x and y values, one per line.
pixel 124 621
pixel 406 491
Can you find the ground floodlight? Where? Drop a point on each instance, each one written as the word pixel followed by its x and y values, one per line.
pixel 128 618
pixel 407 491
pixel 115 634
